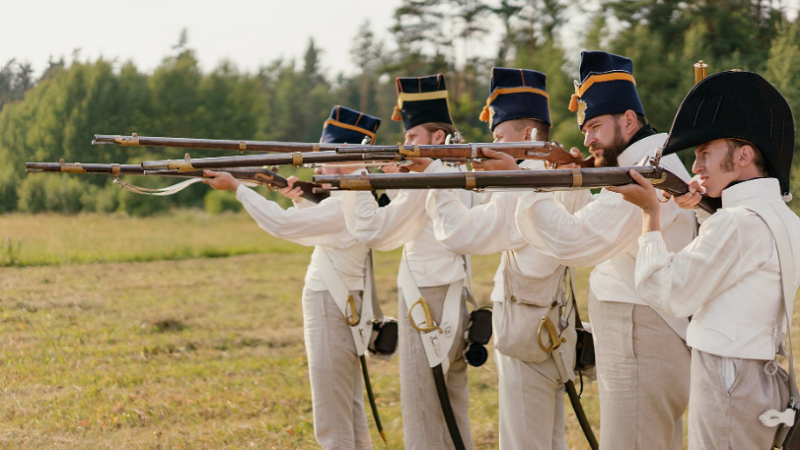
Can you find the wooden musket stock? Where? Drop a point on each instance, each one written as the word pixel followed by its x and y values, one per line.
pixel 265 177
pixel 537 180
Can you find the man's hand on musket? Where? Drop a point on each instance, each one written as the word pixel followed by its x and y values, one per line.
pixel 290 191
pixel 575 153
pixel 643 195
pixel 221 180
pixel 691 199
pixel 495 161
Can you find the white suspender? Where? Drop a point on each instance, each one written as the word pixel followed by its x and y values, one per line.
pixel 437 339
pixel 359 322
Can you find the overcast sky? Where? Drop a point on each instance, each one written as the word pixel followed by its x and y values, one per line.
pixel 250 33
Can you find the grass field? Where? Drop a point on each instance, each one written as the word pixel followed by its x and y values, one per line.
pixel 189 352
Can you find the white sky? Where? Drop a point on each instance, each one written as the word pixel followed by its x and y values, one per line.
pixel 250 33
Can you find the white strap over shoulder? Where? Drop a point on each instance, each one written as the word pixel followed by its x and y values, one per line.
pixel 786 261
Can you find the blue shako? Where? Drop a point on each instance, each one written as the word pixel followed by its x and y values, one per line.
pixel 607 86
pixel 516 94
pixel 349 126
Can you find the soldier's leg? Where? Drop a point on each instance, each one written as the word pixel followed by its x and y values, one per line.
pixel 531 405
pixel 332 365
pixel 728 395
pixel 642 376
pixel 423 421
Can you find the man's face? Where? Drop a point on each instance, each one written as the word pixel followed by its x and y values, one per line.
pixel 715 167
pixel 507 132
pixel 419 136
pixel 603 137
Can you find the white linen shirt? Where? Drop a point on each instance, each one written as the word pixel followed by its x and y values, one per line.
pixel 489 228
pixel 404 222
pixel 320 225
pixel 604 232
pixel 728 278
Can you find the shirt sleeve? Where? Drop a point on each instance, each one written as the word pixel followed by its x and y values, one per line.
pixel 598 231
pixel 393 225
pixel 482 230
pixel 311 225
pixel 677 284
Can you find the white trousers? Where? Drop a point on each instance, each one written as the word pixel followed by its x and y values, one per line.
pixel 337 396
pixel 424 427
pixel 531 404
pixel 642 377
pixel 726 401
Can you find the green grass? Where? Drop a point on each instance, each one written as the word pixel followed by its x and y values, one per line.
pixel 198 353
pixel 49 239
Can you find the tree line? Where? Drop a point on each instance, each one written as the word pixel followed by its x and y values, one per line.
pixel 55 115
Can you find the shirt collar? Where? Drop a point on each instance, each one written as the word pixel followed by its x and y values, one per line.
pixel 761 188
pixel 643 148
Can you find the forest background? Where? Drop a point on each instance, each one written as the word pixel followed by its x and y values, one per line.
pixel 55 115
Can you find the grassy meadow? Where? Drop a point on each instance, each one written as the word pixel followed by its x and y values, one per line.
pixel 180 332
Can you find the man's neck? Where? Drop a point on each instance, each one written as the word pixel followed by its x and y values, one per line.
pixel 643 132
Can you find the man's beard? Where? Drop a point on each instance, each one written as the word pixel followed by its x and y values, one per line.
pixel 611 151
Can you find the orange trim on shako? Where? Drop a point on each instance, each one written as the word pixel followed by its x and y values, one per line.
pixel 580 90
pixel 485 115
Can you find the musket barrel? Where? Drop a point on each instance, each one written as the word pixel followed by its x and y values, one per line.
pixel 211 144
pixel 296 159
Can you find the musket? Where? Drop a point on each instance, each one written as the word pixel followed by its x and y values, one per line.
pixel 535 180
pixel 250 175
pixel 546 151
pixel 187 164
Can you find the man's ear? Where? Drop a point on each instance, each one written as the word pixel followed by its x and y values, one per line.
pixel 747 155
pixel 529 133
pixel 631 122
pixel 439 137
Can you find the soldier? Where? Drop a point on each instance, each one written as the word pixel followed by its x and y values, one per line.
pixel 734 278
pixel 430 277
pixel 642 359
pixel 339 261
pixel 528 285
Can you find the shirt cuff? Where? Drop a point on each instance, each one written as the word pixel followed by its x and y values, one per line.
pixel 242 192
pixel 650 238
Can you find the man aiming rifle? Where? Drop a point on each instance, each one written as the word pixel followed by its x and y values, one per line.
pixel 431 281
pixel 529 286
pixel 642 359
pixel 738 278
pixel 339 306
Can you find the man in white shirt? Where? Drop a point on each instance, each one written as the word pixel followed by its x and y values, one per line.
pixel 729 279
pixel 528 285
pixel 642 359
pixel 333 363
pixel 426 269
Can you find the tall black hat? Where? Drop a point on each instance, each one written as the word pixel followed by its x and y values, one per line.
pixel 742 106
pixel 516 94
pixel 607 86
pixel 422 100
pixel 349 126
